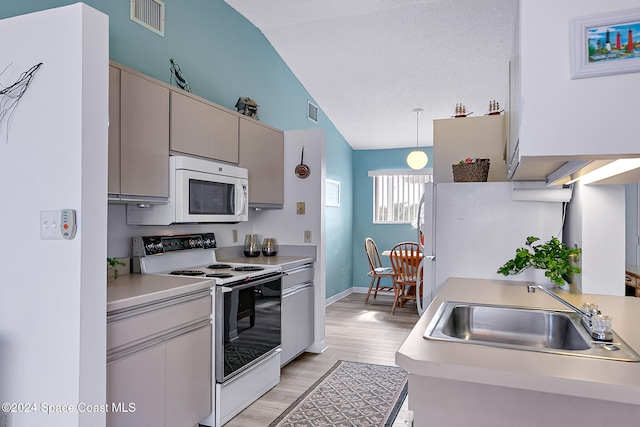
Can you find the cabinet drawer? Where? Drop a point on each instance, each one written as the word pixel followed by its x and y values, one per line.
pixel 297 276
pixel 129 329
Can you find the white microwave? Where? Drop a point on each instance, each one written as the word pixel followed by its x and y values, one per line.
pixel 200 191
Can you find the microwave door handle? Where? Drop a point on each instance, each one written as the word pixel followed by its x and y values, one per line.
pixel 240 200
pixel 234 200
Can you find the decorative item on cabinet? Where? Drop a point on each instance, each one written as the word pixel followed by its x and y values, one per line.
pixel 178 77
pixel 494 108
pixel 461 111
pixel 471 170
pixel 248 107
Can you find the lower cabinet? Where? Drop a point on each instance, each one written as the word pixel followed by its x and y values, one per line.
pixel 166 385
pixel 136 389
pixel 297 315
pixel 159 365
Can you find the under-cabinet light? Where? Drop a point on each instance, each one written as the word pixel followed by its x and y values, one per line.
pixel 610 169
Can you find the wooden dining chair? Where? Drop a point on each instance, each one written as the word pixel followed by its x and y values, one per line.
pixel 377 271
pixel 405 258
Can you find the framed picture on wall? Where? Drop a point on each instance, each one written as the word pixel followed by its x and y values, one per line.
pixel 605 44
pixel 333 193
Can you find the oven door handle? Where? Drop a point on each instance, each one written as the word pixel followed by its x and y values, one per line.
pixel 250 283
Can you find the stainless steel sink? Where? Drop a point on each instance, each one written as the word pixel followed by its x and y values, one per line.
pixel 549 331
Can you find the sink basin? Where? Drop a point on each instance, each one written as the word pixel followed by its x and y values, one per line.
pixel 519 328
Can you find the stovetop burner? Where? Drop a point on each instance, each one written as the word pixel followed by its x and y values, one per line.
pixel 248 268
pixel 220 275
pixel 219 266
pixel 187 273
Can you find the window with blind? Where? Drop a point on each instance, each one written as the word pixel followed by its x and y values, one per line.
pixel 396 195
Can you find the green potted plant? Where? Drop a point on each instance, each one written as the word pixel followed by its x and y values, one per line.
pixel 557 260
pixel 112 265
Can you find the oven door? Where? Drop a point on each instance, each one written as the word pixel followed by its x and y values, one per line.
pixel 247 324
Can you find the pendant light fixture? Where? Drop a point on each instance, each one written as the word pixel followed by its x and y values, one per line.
pixel 417 159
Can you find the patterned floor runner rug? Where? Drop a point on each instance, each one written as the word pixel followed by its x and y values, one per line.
pixel 350 394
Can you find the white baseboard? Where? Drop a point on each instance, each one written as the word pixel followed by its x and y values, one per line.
pixel 354 290
pixel 338 296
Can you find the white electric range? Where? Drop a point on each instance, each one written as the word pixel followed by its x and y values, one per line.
pixel 246 316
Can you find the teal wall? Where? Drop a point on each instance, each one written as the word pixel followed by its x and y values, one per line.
pixel 223 57
pixel 385 235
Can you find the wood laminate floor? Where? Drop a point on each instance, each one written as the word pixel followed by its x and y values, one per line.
pixel 355 331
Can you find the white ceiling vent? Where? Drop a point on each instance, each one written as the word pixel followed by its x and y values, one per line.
pixel 149 14
pixel 312 111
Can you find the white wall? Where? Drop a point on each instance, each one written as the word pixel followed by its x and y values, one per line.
pixel 288 227
pixel 561 116
pixel 596 223
pixel 53 292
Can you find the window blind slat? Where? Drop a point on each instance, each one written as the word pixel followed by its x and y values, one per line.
pixel 396 196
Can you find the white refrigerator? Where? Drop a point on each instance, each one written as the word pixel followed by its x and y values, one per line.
pixel 471 229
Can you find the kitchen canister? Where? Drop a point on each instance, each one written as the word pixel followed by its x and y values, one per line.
pixel 251 245
pixel 269 246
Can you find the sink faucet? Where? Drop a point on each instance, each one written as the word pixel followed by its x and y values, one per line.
pixel 586 317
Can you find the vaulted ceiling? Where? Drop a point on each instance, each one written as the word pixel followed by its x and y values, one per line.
pixel 369 63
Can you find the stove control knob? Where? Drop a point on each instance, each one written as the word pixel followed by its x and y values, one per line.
pixel 150 247
pixel 158 246
pixel 193 243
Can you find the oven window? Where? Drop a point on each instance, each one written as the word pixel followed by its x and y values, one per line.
pixel 210 198
pixel 251 325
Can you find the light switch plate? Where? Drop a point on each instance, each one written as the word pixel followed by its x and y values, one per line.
pixel 50 225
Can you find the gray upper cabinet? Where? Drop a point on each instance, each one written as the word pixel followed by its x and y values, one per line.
pixel 262 153
pixel 202 129
pixel 138 137
pixel 114 131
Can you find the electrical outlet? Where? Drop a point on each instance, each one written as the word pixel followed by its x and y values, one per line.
pixel 300 208
pixel 307 236
pixel 235 235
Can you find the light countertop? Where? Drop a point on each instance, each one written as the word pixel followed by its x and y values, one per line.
pixel 284 261
pixel 130 290
pixel 288 256
pixel 569 375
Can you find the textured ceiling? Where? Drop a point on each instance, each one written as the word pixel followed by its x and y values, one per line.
pixel 369 63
